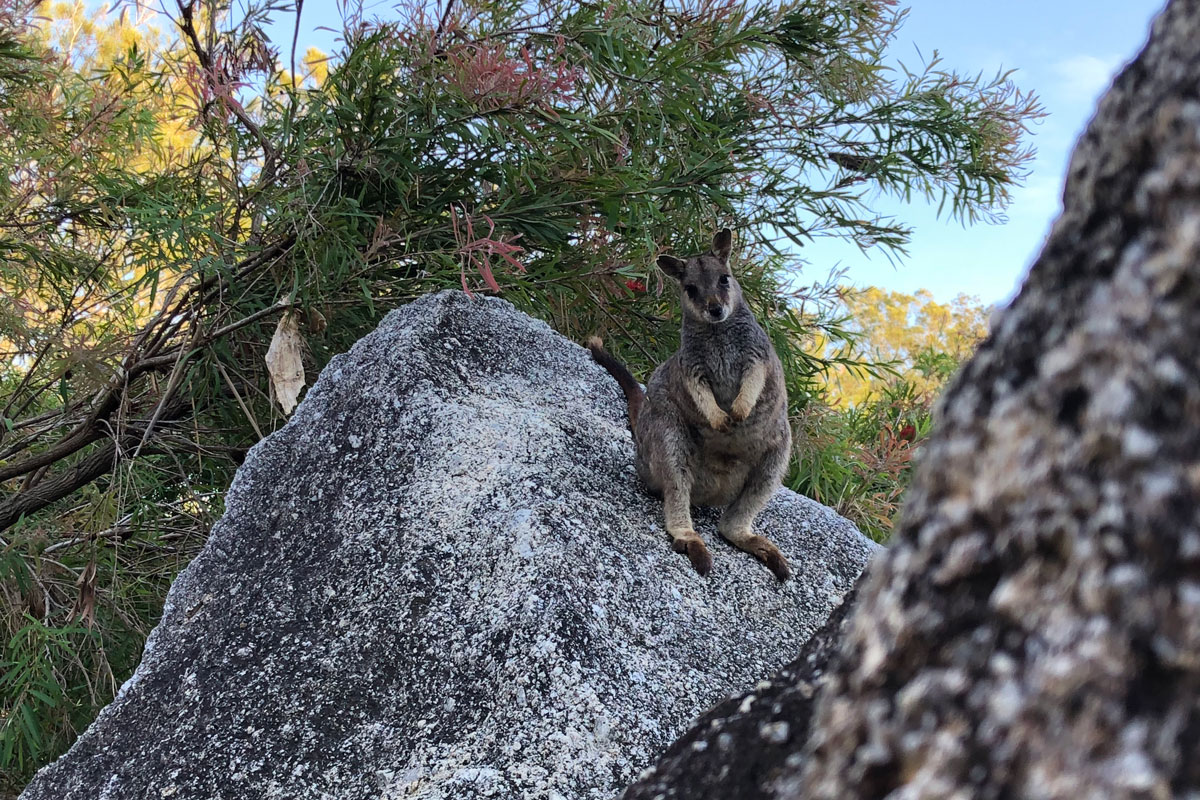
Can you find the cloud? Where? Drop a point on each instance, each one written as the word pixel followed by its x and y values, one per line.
pixel 1085 77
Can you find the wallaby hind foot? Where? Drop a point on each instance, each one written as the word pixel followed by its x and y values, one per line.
pixel 765 551
pixel 690 544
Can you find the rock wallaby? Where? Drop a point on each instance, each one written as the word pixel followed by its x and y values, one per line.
pixel 711 426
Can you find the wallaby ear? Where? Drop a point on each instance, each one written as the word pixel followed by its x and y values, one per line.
pixel 722 244
pixel 673 266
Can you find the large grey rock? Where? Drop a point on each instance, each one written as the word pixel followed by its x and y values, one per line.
pixel 1034 631
pixel 740 748
pixel 442 580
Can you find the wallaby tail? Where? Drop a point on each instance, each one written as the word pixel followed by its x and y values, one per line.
pixel 629 385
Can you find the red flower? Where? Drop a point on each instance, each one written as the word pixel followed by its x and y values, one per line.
pixel 635 285
pixel 493 78
pixel 478 250
pixel 907 433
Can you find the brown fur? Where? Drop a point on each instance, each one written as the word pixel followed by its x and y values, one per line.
pixel 634 395
pixel 711 427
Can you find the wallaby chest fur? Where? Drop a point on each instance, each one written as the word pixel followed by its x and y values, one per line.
pixel 719 356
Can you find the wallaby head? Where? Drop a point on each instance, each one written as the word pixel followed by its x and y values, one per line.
pixel 707 290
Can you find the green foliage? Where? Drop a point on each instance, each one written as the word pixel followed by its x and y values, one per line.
pixel 32 687
pixel 167 205
pixel 859 433
pixel 858 460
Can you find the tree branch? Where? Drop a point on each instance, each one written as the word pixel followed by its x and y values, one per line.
pixel 89 468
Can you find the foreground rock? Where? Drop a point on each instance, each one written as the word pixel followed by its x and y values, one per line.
pixel 1035 630
pixel 741 747
pixel 441 580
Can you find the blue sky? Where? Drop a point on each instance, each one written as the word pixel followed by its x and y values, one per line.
pixel 1066 51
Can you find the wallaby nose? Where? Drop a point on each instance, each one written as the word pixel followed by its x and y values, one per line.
pixel 715 310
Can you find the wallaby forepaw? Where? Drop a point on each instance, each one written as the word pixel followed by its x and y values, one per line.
pixel 722 423
pixel 765 551
pixel 738 413
pixel 693 547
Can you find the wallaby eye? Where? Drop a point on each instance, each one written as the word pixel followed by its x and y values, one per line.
pixel 724 280
pixel 691 291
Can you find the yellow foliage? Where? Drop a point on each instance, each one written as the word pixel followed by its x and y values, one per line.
pixel 95 40
pixel 918 335
pixel 317 65
pixel 314 71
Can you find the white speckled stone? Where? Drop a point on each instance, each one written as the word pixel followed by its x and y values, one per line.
pixel 442 580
